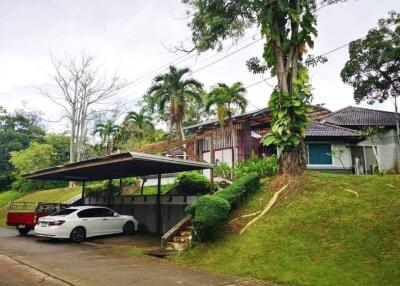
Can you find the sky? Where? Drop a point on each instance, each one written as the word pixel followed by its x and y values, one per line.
pixel 134 38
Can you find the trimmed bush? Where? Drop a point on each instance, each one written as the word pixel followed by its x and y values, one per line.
pixel 239 189
pixel 210 214
pixel 192 183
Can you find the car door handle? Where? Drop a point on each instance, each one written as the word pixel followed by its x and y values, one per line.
pixel 104 219
pixel 84 219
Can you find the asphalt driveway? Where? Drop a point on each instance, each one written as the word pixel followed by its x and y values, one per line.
pixel 33 261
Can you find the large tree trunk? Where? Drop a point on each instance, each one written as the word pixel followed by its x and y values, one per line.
pixel 292 160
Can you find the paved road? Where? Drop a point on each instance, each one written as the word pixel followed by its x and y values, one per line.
pixel 33 261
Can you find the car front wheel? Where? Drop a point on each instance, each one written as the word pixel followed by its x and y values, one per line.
pixel 78 234
pixel 129 228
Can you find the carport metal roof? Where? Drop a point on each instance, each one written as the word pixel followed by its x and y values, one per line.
pixel 116 166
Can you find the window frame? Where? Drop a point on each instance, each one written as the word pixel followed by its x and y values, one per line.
pixel 307 152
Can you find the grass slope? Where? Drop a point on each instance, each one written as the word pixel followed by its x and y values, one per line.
pixel 54 195
pixel 320 235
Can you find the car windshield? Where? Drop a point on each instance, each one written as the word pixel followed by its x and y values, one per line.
pixel 63 212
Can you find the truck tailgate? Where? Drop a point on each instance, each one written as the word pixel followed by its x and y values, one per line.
pixel 15 218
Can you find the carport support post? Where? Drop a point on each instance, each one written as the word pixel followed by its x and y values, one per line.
pixel 83 192
pixel 159 204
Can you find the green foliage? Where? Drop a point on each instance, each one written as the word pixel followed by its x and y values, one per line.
pixel 263 167
pixel 374 64
pixel 60 143
pixel 226 99
pixel 289 28
pixel 209 217
pixel 136 125
pixel 290 113
pixel 371 131
pixel 35 157
pixel 170 94
pixel 192 183
pixel 210 212
pixel 223 170
pixel 103 188
pixel 242 187
pixel 319 235
pixel 107 130
pixel 17 131
pixel 152 190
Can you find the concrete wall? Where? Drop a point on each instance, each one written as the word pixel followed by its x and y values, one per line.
pixel 144 209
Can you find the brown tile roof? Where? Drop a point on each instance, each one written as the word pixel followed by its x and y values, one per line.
pixel 258 116
pixel 317 129
pixel 357 116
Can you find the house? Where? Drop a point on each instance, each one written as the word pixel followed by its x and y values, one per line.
pixel 332 142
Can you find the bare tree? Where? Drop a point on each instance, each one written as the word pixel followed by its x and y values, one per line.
pixel 81 89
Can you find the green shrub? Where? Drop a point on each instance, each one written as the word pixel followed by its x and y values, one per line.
pixel 239 189
pixel 263 167
pixel 223 170
pixel 210 213
pixel 192 183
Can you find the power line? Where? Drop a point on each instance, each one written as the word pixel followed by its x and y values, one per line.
pixel 145 77
pixel 183 59
pixel 321 55
pixel 133 83
pixel 150 75
pixel 227 55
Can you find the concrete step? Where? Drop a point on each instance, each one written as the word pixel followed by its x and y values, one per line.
pixel 181 239
pixel 177 246
pixel 185 233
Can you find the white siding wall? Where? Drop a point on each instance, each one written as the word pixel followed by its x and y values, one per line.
pixel 336 165
pixel 388 149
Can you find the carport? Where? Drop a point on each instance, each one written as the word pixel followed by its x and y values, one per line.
pixel 119 166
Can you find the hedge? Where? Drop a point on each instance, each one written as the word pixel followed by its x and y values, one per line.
pixel 210 212
pixel 239 189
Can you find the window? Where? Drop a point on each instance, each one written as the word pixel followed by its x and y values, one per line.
pixel 63 212
pixel 105 212
pixel 86 213
pixel 96 212
pixel 318 154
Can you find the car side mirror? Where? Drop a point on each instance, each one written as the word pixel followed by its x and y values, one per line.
pixel 116 214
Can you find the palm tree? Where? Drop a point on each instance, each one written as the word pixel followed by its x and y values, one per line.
pixel 140 121
pixel 106 131
pixel 227 99
pixel 371 133
pixel 170 91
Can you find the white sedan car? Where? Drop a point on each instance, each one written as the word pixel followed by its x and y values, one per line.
pixel 77 223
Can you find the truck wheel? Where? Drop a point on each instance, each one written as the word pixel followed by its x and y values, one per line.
pixel 78 234
pixel 129 228
pixel 23 231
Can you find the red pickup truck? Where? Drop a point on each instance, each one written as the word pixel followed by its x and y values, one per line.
pixel 24 215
